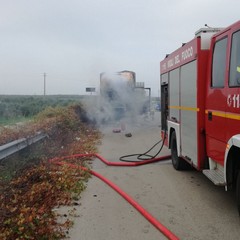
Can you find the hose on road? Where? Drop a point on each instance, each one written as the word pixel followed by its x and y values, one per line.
pixel 60 161
pixel 146 155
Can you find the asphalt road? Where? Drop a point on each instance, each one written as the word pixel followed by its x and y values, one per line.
pixel 186 202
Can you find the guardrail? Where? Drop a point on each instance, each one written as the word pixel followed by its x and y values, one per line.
pixel 17 145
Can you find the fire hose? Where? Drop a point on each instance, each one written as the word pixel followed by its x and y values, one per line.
pixel 165 231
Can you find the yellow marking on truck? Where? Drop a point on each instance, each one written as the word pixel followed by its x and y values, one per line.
pixel 233 116
pixel 185 108
pixel 224 114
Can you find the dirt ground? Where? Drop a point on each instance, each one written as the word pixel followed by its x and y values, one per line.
pixel 186 202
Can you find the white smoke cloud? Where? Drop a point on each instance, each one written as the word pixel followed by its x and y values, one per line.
pixel 119 100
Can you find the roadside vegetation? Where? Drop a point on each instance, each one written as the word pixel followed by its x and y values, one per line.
pixel 17 108
pixel 31 187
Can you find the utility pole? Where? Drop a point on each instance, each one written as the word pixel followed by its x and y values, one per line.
pixel 44 83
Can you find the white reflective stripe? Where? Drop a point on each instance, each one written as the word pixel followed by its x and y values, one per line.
pixel 233 141
pixel 176 127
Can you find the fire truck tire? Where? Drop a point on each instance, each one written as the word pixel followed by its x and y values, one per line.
pixel 238 192
pixel 177 162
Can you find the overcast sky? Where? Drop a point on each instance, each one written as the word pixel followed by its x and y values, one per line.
pixel 73 41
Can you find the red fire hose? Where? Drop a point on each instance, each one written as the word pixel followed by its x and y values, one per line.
pixel 137 206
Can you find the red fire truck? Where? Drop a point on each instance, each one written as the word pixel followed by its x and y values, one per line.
pixel 200 101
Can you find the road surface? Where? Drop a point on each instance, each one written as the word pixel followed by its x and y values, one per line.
pixel 186 202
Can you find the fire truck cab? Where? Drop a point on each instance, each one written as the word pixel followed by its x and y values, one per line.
pixel 200 99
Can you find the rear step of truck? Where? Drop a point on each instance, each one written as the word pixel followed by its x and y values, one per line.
pixel 216 176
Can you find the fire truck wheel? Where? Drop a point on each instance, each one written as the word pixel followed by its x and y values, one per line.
pixel 177 162
pixel 238 192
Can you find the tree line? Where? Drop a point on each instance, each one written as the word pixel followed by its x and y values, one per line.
pixel 13 107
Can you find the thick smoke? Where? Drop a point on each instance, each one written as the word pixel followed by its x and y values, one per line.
pixel 118 101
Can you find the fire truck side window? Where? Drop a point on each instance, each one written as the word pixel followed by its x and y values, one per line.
pixel 219 63
pixel 234 78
